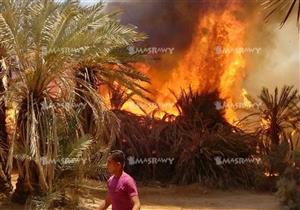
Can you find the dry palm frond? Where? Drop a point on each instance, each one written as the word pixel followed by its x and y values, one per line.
pixel 279 114
pixel 133 138
pixel 42 202
pixel 275 7
pixel 5 184
pixel 198 154
pixel 136 140
pixel 200 108
pixel 118 96
pixel 192 144
pixel 197 136
pixel 276 122
pixel 94 114
pixel 110 73
pixel 287 190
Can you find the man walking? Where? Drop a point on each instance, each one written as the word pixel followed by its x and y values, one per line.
pixel 122 191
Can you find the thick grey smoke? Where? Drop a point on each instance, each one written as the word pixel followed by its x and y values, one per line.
pixel 277 64
pixel 171 23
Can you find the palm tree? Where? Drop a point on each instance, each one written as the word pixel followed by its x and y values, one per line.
pixel 110 74
pixel 114 66
pixel 5 184
pixel 287 7
pixel 200 109
pixel 278 114
pixel 277 122
pixel 44 40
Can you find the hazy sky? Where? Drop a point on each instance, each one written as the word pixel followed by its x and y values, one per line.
pixel 278 63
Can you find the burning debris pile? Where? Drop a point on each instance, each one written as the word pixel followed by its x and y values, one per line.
pixel 194 139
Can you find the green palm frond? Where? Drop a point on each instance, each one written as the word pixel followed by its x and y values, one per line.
pixel 43 41
pixel 284 107
pixel 82 145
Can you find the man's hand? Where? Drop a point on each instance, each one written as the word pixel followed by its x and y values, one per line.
pixel 106 203
pixel 136 203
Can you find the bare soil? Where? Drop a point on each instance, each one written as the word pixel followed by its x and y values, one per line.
pixel 191 197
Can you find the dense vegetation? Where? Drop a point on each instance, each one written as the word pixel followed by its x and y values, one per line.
pixel 54 58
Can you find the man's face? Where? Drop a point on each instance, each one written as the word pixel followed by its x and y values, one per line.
pixel 112 166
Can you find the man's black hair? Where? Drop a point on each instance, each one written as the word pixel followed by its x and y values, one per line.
pixel 118 156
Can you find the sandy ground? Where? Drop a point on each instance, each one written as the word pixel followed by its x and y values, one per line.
pixel 179 198
pixel 192 198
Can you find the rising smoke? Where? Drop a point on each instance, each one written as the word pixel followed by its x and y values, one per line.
pixel 172 23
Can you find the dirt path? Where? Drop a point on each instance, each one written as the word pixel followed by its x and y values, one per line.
pixel 193 198
pixel 180 198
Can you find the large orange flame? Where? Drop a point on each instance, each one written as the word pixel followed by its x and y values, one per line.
pixel 212 62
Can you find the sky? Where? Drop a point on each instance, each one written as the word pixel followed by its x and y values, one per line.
pixel 278 63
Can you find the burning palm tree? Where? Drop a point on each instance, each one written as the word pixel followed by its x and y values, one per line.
pixel 277 116
pixel 201 109
pixel 200 138
pixel 277 124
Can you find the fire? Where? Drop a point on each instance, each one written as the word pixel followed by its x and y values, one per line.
pixel 246 102
pixel 212 62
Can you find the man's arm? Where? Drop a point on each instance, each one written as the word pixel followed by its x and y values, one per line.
pixel 106 203
pixel 136 203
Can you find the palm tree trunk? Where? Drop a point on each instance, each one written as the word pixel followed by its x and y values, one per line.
pixel 33 179
pixel 27 183
pixel 5 183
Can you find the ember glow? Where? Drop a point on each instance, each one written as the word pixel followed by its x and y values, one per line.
pixel 211 62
